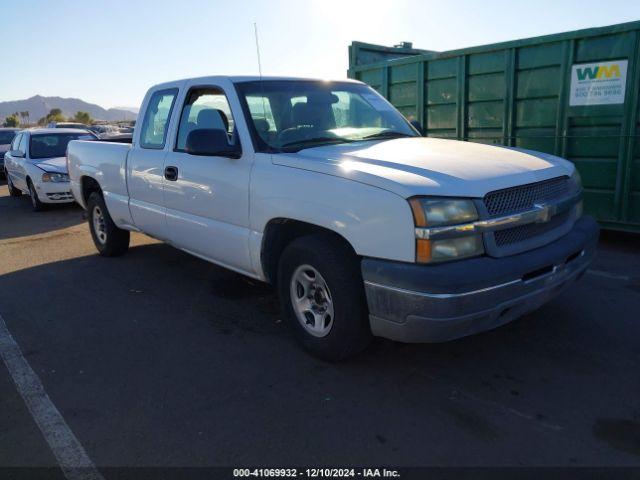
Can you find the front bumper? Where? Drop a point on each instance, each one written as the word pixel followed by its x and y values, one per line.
pixel 436 303
pixel 54 192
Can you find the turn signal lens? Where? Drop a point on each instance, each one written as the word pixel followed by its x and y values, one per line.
pixel 419 218
pixel 423 250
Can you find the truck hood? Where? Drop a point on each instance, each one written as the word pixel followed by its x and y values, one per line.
pixel 52 165
pixel 429 166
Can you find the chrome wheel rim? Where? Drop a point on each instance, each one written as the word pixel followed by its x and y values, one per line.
pixel 312 301
pixel 98 224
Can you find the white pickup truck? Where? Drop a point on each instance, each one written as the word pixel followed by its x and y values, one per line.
pixel 325 190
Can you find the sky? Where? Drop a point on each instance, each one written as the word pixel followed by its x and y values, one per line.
pixel 110 52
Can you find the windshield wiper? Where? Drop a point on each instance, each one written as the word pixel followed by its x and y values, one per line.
pixel 310 142
pixel 387 134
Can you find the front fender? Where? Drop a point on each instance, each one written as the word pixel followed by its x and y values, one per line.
pixel 376 222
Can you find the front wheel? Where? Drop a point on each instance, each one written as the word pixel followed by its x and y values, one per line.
pixel 322 295
pixel 36 204
pixel 110 241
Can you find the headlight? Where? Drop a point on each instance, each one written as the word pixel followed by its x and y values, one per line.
pixel 55 177
pixel 441 212
pixel 433 212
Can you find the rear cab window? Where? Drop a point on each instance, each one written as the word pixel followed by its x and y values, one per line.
pixel 156 118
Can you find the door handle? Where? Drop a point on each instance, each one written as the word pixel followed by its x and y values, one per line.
pixel 171 173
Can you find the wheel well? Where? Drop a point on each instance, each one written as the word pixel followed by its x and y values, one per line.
pixel 89 185
pixel 279 233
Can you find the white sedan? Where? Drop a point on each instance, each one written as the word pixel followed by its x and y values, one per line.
pixel 36 165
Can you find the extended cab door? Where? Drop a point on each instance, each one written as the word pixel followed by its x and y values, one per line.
pixel 145 164
pixel 207 196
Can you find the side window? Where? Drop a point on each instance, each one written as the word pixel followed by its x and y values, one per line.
pixel 23 144
pixel 205 108
pixel 16 142
pixel 156 119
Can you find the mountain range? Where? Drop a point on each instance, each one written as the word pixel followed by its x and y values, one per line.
pixel 38 106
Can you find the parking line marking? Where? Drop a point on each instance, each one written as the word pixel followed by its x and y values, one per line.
pixel 612 276
pixel 72 458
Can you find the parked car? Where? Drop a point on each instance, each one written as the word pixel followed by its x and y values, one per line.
pixel 117 137
pixel 36 165
pixel 325 190
pixel 103 130
pixel 81 126
pixel 6 136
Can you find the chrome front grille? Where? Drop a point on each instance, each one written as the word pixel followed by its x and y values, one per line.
pixel 524 197
pixel 524 232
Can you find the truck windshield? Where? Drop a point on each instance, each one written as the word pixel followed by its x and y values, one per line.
pixel 289 115
pixel 52 145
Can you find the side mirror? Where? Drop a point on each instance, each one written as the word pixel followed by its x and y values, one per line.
pixel 17 153
pixel 213 142
pixel 418 126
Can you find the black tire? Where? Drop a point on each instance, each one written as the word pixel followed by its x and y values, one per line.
pixel 13 191
pixel 36 204
pixel 339 267
pixel 110 241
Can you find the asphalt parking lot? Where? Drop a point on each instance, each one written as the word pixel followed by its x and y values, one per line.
pixel 157 358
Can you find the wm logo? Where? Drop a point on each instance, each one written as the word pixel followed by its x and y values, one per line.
pixel 593 73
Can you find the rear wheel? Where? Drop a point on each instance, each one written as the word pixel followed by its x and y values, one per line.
pixel 322 295
pixel 37 205
pixel 110 241
pixel 13 191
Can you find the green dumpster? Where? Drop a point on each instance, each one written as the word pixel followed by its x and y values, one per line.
pixel 571 94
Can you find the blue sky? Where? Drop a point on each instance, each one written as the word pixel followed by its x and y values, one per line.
pixel 110 52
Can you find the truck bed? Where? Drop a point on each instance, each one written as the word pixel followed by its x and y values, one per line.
pixel 104 161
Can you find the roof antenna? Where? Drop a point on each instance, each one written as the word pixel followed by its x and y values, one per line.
pixel 264 106
pixel 255 32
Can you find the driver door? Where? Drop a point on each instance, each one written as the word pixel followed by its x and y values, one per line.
pixel 207 197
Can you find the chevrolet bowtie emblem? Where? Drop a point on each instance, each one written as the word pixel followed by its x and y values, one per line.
pixel 544 212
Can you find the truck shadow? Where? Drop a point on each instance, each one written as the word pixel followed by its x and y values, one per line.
pixel 17 217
